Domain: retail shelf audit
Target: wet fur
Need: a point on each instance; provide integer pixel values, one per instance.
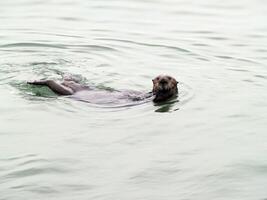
(164, 88)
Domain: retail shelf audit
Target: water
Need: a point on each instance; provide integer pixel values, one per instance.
(211, 144)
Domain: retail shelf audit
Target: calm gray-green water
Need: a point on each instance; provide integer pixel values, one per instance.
(210, 144)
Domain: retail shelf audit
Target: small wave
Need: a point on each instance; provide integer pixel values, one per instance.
(117, 107)
(71, 19)
(93, 47)
(260, 76)
(186, 93)
(149, 45)
(12, 45)
(43, 63)
(237, 59)
(33, 171)
(18, 157)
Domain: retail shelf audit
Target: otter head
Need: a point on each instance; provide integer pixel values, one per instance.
(164, 87)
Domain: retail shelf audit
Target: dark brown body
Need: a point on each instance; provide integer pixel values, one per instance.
(164, 87)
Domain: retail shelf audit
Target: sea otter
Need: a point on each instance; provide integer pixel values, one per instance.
(164, 88)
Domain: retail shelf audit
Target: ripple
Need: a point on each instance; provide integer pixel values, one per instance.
(71, 19)
(33, 171)
(186, 93)
(217, 38)
(52, 34)
(238, 70)
(28, 166)
(43, 63)
(40, 189)
(18, 157)
(93, 47)
(71, 47)
(200, 44)
(40, 45)
(260, 76)
(192, 13)
(118, 107)
(148, 44)
(235, 58)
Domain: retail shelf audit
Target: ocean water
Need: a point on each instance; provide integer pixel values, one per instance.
(209, 144)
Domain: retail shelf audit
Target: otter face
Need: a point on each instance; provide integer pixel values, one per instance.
(164, 87)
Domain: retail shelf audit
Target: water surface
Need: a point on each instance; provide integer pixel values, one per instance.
(210, 144)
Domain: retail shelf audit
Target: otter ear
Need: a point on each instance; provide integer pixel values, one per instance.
(177, 82)
(153, 80)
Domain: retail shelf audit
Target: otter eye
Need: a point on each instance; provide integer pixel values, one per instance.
(169, 78)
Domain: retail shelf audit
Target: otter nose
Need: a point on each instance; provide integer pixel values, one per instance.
(163, 81)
